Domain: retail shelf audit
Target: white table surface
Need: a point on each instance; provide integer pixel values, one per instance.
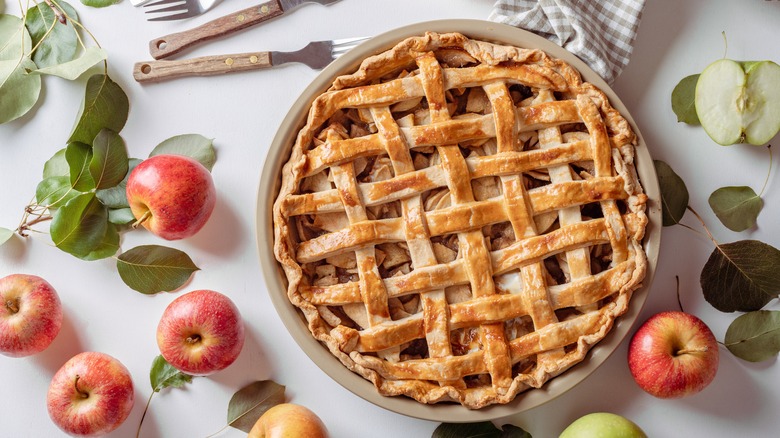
(241, 112)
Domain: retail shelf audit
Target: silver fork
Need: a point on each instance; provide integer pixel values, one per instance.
(178, 9)
(316, 54)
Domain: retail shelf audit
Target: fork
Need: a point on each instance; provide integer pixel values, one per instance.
(316, 54)
(178, 9)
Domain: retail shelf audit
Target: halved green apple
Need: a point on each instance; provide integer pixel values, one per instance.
(739, 101)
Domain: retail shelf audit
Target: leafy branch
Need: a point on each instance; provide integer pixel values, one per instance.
(738, 276)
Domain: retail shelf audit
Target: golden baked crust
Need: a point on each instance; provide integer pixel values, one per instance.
(460, 220)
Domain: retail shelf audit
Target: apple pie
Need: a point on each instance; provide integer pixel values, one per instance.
(460, 220)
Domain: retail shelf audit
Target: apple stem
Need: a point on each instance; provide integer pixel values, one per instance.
(13, 305)
(142, 219)
(691, 350)
(193, 339)
(76, 385)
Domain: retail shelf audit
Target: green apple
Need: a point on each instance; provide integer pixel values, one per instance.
(739, 101)
(602, 425)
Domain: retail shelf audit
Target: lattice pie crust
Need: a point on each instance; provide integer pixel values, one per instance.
(461, 221)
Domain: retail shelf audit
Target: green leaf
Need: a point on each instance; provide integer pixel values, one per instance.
(512, 431)
(484, 429)
(105, 105)
(19, 90)
(79, 226)
(5, 235)
(108, 165)
(150, 269)
(116, 197)
(194, 146)
(754, 336)
(2, 6)
(100, 3)
(61, 44)
(251, 401)
(683, 100)
(741, 276)
(78, 155)
(107, 247)
(55, 191)
(674, 194)
(736, 207)
(57, 165)
(71, 70)
(15, 41)
(164, 375)
(120, 216)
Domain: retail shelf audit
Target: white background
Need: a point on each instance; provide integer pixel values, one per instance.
(241, 112)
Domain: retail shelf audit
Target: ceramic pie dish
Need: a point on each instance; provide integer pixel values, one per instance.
(398, 189)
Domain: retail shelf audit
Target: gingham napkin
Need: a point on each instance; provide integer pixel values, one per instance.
(600, 32)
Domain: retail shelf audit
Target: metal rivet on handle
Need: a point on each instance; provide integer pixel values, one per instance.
(229, 61)
(253, 59)
(241, 18)
(264, 9)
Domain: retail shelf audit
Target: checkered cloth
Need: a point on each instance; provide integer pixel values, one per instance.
(600, 32)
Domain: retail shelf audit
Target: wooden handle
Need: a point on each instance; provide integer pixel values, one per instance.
(153, 71)
(176, 42)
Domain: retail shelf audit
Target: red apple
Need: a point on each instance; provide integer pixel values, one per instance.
(30, 315)
(201, 332)
(287, 420)
(91, 395)
(171, 195)
(673, 354)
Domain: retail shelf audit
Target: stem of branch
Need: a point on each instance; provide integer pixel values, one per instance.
(57, 12)
(703, 225)
(146, 408)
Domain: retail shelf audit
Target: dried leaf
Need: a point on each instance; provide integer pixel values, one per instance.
(754, 336)
(683, 100)
(164, 375)
(674, 194)
(736, 207)
(150, 269)
(251, 401)
(741, 276)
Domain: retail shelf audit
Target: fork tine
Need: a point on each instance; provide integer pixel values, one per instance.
(349, 41)
(174, 8)
(188, 14)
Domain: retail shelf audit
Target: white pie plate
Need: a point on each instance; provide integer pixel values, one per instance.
(277, 284)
